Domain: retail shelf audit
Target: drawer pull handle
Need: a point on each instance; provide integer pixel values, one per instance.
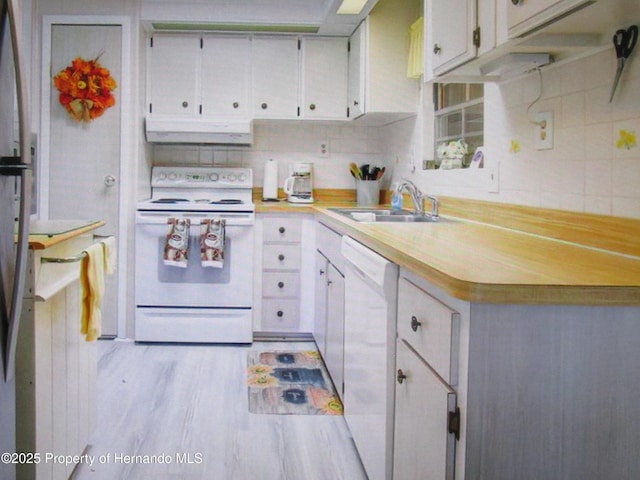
(415, 323)
(281, 257)
(401, 377)
(282, 230)
(280, 313)
(280, 284)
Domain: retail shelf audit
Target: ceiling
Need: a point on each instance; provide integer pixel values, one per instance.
(315, 16)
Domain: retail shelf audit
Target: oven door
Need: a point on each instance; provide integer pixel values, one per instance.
(160, 285)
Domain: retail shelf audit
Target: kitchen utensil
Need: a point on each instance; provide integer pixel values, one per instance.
(624, 42)
(355, 171)
(365, 171)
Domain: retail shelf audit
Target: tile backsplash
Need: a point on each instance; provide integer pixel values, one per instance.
(287, 142)
(594, 165)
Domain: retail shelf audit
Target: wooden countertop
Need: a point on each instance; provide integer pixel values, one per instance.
(490, 263)
(47, 233)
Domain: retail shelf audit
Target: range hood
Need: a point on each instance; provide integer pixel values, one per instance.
(181, 130)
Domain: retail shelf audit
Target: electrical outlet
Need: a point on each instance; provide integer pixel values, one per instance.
(324, 149)
(544, 131)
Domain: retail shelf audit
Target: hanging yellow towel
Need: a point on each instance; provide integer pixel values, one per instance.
(110, 255)
(92, 283)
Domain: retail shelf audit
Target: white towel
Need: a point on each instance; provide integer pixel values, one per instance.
(212, 242)
(176, 248)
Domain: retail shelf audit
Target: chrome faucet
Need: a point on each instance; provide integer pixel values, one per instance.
(417, 197)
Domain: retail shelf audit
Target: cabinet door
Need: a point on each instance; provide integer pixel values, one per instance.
(320, 313)
(356, 65)
(335, 328)
(225, 76)
(423, 447)
(275, 77)
(324, 85)
(452, 26)
(527, 15)
(173, 75)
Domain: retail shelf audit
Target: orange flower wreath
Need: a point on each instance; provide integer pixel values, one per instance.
(85, 89)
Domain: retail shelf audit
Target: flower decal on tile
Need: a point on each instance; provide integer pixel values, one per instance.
(514, 147)
(627, 139)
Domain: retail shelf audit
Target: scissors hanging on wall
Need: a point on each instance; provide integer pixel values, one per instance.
(624, 42)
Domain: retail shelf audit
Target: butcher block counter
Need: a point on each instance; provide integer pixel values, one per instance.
(492, 253)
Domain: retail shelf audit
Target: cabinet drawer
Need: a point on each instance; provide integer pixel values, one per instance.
(280, 284)
(280, 315)
(430, 327)
(281, 257)
(280, 229)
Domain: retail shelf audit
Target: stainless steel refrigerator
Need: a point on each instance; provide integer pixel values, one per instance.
(15, 195)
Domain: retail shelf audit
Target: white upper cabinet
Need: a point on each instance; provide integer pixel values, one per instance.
(356, 65)
(525, 15)
(324, 78)
(275, 74)
(225, 76)
(452, 39)
(173, 75)
(378, 61)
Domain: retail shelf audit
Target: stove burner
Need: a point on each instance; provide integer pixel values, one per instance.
(227, 201)
(170, 200)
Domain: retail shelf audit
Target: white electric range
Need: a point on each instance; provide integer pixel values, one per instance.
(192, 303)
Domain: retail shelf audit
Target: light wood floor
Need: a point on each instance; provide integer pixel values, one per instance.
(188, 403)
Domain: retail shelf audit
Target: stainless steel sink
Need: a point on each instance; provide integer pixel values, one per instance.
(384, 215)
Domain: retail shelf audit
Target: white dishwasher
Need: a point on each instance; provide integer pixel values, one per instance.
(371, 286)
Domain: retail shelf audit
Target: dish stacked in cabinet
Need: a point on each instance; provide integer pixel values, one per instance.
(426, 415)
(281, 262)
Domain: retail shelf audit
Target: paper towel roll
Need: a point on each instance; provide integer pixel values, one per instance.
(270, 184)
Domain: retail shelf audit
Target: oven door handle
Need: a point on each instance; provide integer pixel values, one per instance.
(160, 218)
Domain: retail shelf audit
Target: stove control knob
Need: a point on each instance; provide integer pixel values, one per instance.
(231, 177)
(214, 177)
(173, 176)
(242, 177)
(162, 176)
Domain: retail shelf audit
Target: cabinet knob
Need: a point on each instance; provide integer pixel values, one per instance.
(263, 106)
(185, 104)
(236, 104)
(415, 323)
(280, 284)
(401, 377)
(517, 2)
(312, 106)
(436, 48)
(280, 313)
(281, 257)
(321, 272)
(282, 230)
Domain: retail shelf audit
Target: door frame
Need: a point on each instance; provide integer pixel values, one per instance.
(126, 169)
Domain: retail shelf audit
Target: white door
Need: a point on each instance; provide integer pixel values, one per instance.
(356, 92)
(335, 327)
(423, 447)
(452, 24)
(173, 75)
(84, 158)
(324, 86)
(225, 76)
(275, 77)
(320, 312)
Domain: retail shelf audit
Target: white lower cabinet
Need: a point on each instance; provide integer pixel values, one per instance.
(426, 412)
(424, 447)
(329, 304)
(283, 296)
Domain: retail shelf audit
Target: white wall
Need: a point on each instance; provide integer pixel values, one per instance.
(584, 171)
